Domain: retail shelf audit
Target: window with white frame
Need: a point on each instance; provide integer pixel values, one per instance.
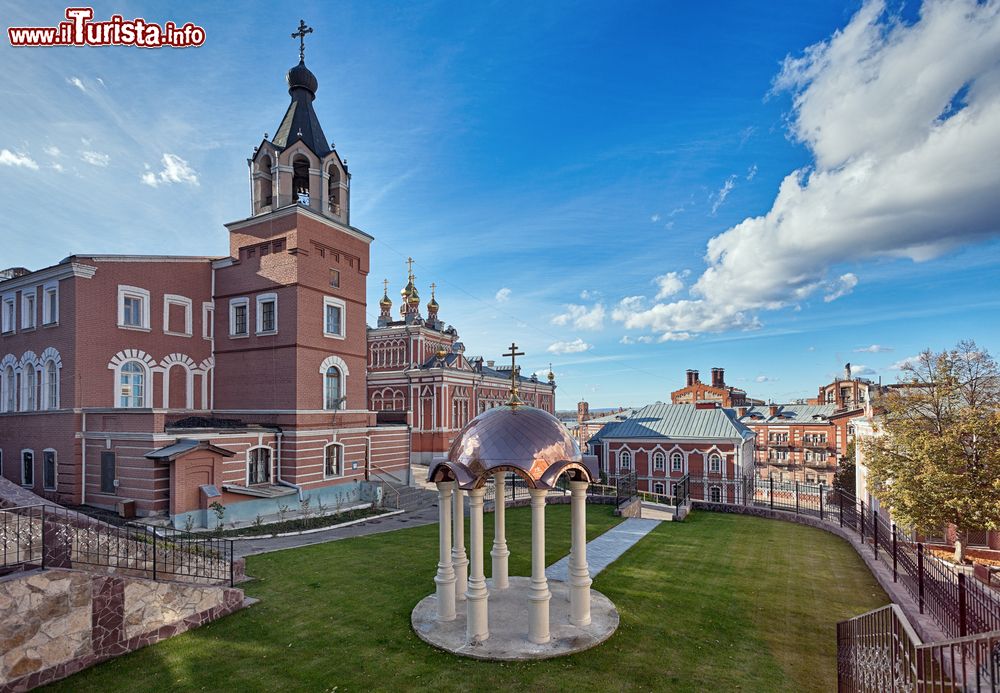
(676, 462)
(658, 488)
(333, 317)
(28, 308)
(659, 461)
(332, 388)
(208, 321)
(715, 494)
(132, 385)
(9, 315)
(27, 468)
(50, 303)
(267, 314)
(258, 466)
(49, 469)
(29, 383)
(714, 463)
(51, 385)
(624, 459)
(177, 319)
(133, 308)
(239, 317)
(10, 389)
(333, 460)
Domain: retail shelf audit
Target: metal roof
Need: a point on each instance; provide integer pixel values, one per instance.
(790, 413)
(676, 421)
(183, 446)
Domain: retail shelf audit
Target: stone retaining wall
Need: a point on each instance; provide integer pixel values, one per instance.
(56, 622)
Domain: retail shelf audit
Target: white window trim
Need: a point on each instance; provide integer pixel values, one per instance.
(31, 293)
(28, 394)
(270, 463)
(261, 300)
(177, 300)
(331, 301)
(716, 487)
(9, 323)
(46, 403)
(343, 462)
(50, 288)
(133, 292)
(631, 459)
(233, 303)
(21, 462)
(662, 487)
(147, 384)
(208, 320)
(55, 470)
(664, 463)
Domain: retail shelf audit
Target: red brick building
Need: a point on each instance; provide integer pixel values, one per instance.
(417, 367)
(168, 380)
(718, 392)
(662, 443)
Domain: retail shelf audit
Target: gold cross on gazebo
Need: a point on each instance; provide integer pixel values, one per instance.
(515, 399)
(301, 36)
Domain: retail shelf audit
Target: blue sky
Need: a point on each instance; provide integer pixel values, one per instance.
(580, 156)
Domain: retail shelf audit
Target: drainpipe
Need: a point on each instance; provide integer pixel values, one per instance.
(83, 461)
(281, 481)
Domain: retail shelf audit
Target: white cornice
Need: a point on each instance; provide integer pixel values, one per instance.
(56, 272)
(301, 209)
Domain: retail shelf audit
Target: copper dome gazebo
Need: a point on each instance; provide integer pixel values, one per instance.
(535, 446)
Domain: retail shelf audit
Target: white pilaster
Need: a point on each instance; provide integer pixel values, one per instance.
(499, 552)
(539, 595)
(579, 573)
(477, 623)
(458, 557)
(445, 578)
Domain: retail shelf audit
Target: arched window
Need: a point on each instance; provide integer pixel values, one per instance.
(10, 389)
(624, 459)
(266, 185)
(658, 487)
(333, 460)
(333, 190)
(29, 380)
(715, 494)
(132, 385)
(714, 463)
(659, 462)
(258, 466)
(300, 180)
(51, 385)
(676, 462)
(332, 399)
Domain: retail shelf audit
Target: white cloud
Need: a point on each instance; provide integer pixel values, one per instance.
(858, 370)
(643, 339)
(588, 294)
(57, 167)
(9, 158)
(655, 218)
(764, 379)
(810, 348)
(582, 317)
(723, 193)
(503, 295)
(901, 363)
(841, 287)
(873, 349)
(95, 158)
(669, 283)
(903, 124)
(52, 151)
(752, 172)
(76, 82)
(575, 347)
(175, 170)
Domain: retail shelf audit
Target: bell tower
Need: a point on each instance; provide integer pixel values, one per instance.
(299, 165)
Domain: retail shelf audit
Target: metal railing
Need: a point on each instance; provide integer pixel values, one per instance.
(879, 651)
(48, 536)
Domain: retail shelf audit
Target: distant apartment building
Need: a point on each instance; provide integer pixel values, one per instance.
(718, 391)
(588, 424)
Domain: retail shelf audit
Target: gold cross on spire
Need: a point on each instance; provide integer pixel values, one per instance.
(301, 36)
(433, 286)
(385, 287)
(515, 399)
(409, 265)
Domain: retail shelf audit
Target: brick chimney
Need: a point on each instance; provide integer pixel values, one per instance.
(741, 412)
(689, 381)
(772, 409)
(718, 377)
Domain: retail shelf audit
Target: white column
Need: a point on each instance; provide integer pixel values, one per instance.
(445, 578)
(499, 552)
(579, 573)
(477, 623)
(539, 595)
(458, 557)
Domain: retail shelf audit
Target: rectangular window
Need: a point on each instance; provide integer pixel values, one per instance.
(335, 278)
(49, 469)
(267, 314)
(50, 304)
(133, 308)
(9, 313)
(238, 319)
(333, 317)
(258, 466)
(208, 321)
(28, 309)
(177, 319)
(108, 472)
(27, 468)
(334, 460)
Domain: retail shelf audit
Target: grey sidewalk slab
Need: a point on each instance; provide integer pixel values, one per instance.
(605, 549)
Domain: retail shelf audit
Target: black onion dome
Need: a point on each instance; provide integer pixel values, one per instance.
(301, 77)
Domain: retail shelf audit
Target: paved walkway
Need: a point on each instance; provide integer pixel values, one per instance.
(605, 549)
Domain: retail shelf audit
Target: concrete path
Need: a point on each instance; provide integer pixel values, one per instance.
(605, 549)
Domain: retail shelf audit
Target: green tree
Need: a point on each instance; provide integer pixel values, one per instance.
(843, 480)
(937, 460)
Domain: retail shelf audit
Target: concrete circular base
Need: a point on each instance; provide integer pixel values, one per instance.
(508, 624)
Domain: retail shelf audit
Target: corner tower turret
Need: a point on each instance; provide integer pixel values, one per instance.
(299, 165)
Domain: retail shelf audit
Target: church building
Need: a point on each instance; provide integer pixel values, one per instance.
(163, 384)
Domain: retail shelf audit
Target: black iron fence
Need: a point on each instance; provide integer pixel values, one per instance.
(47, 536)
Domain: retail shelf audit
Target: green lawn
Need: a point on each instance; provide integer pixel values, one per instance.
(719, 602)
